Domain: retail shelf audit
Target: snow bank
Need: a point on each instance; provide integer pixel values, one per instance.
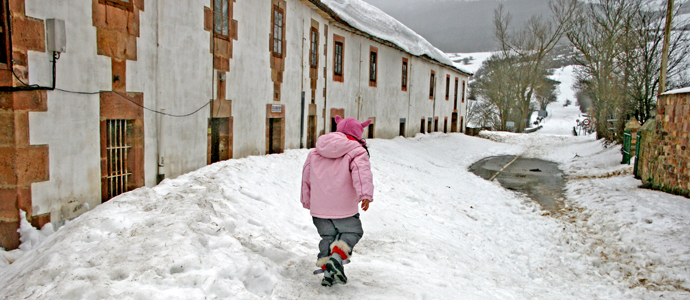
(30, 238)
(372, 20)
(476, 60)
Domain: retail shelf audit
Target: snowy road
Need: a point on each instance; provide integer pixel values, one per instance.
(236, 230)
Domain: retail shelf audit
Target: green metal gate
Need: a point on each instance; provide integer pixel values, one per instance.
(627, 143)
(637, 154)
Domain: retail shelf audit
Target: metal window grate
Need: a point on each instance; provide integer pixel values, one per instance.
(116, 145)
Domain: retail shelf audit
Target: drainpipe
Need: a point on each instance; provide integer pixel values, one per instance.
(359, 89)
(325, 79)
(301, 123)
(433, 111)
(409, 91)
(159, 126)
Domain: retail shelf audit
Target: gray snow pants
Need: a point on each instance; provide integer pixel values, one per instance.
(348, 230)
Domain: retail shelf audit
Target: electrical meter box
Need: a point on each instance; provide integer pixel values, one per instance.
(56, 37)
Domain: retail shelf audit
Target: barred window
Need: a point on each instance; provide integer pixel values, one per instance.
(117, 162)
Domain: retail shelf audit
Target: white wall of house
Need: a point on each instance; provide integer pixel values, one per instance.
(183, 75)
(70, 126)
(174, 71)
(387, 102)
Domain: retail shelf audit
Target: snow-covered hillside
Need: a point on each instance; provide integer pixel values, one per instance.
(236, 230)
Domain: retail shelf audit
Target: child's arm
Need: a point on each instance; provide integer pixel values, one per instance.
(362, 179)
(306, 185)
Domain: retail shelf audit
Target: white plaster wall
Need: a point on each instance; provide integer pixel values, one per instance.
(70, 126)
(249, 84)
(297, 80)
(345, 95)
(387, 102)
(296, 74)
(142, 76)
(184, 83)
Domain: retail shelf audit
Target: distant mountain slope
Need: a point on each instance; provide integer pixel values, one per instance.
(458, 26)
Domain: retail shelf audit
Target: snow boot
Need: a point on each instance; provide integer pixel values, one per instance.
(339, 252)
(327, 276)
(335, 270)
(327, 279)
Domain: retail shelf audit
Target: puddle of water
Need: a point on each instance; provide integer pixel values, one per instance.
(541, 180)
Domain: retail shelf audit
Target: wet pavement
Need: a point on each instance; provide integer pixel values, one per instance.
(541, 180)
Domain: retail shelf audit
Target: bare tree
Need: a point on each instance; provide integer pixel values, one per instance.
(643, 57)
(598, 35)
(495, 84)
(528, 49)
(619, 51)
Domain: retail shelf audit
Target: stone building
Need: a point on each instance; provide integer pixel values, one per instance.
(103, 96)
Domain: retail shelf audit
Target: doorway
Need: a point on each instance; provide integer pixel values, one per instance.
(219, 129)
(311, 132)
(275, 135)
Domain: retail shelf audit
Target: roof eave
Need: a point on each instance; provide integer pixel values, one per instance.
(330, 15)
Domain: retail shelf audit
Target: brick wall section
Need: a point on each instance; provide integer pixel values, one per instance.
(277, 62)
(20, 163)
(221, 49)
(664, 161)
(117, 30)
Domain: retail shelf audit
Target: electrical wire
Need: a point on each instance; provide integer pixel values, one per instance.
(119, 94)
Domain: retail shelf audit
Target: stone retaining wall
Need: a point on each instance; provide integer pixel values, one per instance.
(664, 161)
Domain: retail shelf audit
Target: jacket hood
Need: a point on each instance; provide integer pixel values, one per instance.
(335, 145)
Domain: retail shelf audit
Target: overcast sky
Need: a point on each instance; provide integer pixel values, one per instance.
(457, 25)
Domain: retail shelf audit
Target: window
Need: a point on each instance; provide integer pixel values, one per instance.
(447, 87)
(124, 4)
(278, 25)
(221, 19)
(5, 48)
(314, 48)
(117, 162)
(463, 91)
(455, 95)
(338, 53)
(373, 61)
(404, 74)
(432, 81)
(338, 59)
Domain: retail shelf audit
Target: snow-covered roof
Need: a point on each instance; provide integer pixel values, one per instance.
(371, 20)
(678, 91)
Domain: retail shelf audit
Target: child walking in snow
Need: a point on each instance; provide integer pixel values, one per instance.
(335, 179)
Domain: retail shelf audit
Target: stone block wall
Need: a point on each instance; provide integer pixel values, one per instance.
(664, 162)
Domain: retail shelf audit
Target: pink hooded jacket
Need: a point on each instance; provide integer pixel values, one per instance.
(336, 177)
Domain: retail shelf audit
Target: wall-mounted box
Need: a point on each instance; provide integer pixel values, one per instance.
(56, 37)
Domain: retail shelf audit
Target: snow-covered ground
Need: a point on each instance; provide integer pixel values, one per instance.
(475, 60)
(236, 230)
